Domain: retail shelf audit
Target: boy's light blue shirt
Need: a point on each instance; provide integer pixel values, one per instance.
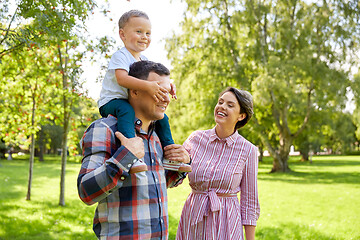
(121, 59)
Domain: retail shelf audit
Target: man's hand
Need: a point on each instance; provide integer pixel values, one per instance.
(134, 145)
(176, 152)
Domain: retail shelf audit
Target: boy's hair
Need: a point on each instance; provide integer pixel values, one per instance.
(141, 69)
(132, 13)
(245, 101)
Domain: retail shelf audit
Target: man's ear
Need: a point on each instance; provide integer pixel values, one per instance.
(133, 93)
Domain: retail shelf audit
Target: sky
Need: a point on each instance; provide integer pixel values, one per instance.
(165, 16)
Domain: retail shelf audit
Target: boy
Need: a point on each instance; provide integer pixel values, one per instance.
(135, 32)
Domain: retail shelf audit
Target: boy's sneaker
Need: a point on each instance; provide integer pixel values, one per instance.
(176, 166)
(138, 166)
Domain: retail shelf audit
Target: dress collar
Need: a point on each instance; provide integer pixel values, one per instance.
(229, 140)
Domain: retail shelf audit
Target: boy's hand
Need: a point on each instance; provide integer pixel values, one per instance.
(173, 90)
(157, 92)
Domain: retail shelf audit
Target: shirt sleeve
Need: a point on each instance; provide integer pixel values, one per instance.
(174, 179)
(104, 167)
(249, 201)
(120, 60)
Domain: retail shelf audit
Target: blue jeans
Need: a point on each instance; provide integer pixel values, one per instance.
(124, 112)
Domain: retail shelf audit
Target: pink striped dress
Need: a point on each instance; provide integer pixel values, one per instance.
(221, 169)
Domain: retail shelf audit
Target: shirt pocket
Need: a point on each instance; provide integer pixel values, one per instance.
(232, 174)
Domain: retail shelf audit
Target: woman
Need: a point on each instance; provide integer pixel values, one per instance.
(223, 164)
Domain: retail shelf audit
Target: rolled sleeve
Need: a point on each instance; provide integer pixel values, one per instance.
(102, 170)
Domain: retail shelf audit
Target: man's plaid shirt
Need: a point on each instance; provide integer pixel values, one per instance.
(130, 206)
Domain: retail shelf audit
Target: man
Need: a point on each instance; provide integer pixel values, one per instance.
(130, 206)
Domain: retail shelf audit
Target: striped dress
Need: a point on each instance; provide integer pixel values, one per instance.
(221, 169)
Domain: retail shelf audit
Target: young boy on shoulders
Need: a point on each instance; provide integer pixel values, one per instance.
(135, 33)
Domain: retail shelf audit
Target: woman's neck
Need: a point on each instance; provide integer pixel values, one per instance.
(223, 132)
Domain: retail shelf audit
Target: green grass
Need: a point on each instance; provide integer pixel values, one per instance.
(316, 201)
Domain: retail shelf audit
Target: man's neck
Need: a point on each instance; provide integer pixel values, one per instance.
(145, 125)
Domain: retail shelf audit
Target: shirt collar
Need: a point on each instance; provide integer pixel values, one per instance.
(138, 124)
(230, 140)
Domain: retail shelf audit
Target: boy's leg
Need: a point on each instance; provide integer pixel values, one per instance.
(124, 112)
(162, 128)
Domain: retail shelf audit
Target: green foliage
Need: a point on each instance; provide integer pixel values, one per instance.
(356, 101)
(29, 23)
(41, 68)
(330, 130)
(26, 83)
(286, 53)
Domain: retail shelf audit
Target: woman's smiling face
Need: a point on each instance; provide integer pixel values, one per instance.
(227, 110)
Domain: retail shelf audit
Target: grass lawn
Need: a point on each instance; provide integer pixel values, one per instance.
(317, 201)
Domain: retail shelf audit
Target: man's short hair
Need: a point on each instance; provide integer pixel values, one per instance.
(141, 69)
(132, 13)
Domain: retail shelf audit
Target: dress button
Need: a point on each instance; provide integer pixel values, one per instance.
(129, 165)
(122, 178)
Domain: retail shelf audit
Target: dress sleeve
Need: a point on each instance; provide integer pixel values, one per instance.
(249, 201)
(103, 167)
(188, 144)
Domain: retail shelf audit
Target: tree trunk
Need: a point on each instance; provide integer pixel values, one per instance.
(66, 116)
(280, 163)
(32, 149)
(63, 168)
(41, 153)
(31, 165)
(41, 145)
(64, 151)
(261, 151)
(304, 156)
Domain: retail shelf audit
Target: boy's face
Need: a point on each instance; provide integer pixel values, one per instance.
(136, 35)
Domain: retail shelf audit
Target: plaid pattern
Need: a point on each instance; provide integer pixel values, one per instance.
(130, 206)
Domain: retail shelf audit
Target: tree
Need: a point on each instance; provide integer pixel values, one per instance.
(46, 20)
(27, 77)
(48, 26)
(69, 69)
(286, 53)
(356, 102)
